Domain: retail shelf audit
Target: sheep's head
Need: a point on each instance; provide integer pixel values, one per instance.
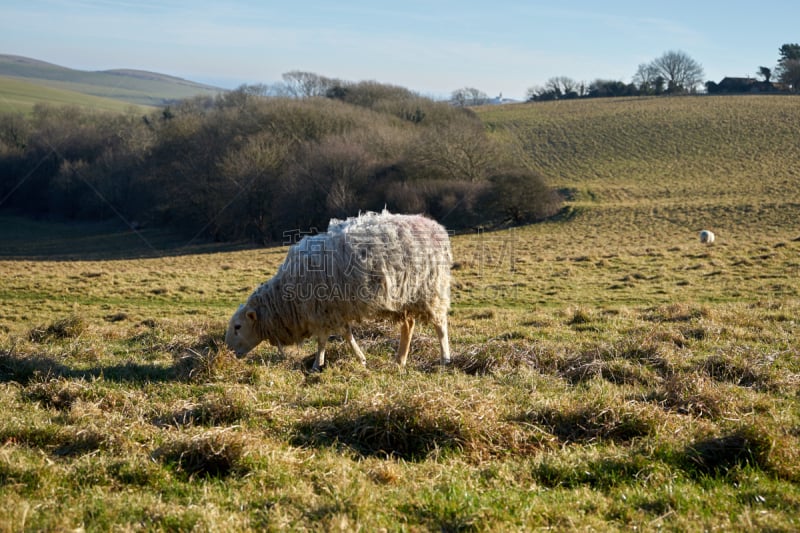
(243, 331)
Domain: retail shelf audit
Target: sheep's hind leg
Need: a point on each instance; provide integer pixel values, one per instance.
(319, 359)
(406, 330)
(355, 347)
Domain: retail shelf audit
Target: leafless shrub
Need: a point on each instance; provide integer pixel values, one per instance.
(521, 196)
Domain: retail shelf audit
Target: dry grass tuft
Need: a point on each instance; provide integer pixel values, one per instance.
(216, 453)
(80, 441)
(116, 317)
(224, 409)
(580, 316)
(578, 368)
(57, 440)
(623, 372)
(58, 394)
(385, 473)
(784, 458)
(677, 312)
(65, 328)
(691, 394)
(596, 362)
(208, 364)
(493, 356)
(589, 423)
(421, 426)
(410, 431)
(650, 347)
(734, 370)
(633, 358)
(748, 445)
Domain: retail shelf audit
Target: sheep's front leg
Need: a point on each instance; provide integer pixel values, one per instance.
(355, 347)
(444, 341)
(406, 330)
(319, 359)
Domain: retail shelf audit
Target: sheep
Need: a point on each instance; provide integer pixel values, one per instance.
(707, 237)
(382, 266)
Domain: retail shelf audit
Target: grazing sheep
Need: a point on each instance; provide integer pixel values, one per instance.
(372, 266)
(707, 236)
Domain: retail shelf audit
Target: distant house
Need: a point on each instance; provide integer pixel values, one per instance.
(498, 100)
(731, 85)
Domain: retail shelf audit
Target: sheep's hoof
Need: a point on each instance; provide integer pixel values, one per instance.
(316, 369)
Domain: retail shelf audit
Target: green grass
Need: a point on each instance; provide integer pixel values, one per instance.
(53, 83)
(610, 372)
(20, 96)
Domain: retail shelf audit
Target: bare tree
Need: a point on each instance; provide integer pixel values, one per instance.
(645, 78)
(468, 96)
(302, 84)
(556, 88)
(681, 72)
(326, 176)
(457, 151)
(534, 93)
(563, 86)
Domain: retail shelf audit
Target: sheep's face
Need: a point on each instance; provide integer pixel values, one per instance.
(242, 335)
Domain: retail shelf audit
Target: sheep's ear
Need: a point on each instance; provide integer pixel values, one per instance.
(251, 315)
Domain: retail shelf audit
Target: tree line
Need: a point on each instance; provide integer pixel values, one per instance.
(251, 164)
(674, 72)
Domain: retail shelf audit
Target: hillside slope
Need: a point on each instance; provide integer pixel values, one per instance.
(645, 166)
(131, 86)
(20, 96)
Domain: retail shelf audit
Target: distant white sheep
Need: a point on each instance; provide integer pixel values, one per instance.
(707, 237)
(374, 266)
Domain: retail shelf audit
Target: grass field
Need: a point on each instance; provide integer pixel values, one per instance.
(610, 372)
(49, 83)
(20, 96)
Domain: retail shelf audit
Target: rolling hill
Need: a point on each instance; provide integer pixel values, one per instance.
(129, 86)
(20, 96)
(657, 168)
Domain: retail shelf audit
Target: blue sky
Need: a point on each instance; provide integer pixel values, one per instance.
(432, 47)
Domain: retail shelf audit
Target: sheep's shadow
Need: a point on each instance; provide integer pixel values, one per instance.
(26, 368)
